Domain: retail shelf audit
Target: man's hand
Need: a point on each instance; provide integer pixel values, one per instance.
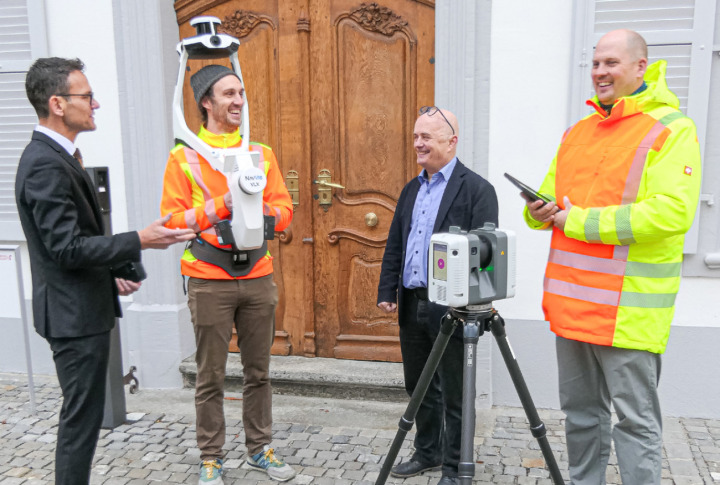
(561, 216)
(228, 200)
(387, 306)
(540, 212)
(127, 287)
(157, 236)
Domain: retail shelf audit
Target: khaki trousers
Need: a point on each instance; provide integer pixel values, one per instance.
(215, 307)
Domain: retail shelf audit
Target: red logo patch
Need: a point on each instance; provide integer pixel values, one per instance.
(688, 170)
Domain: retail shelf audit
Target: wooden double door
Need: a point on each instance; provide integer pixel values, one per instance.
(334, 87)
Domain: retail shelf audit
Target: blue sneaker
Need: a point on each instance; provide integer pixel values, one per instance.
(267, 461)
(211, 472)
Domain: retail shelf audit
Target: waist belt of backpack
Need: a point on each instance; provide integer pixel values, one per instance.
(235, 264)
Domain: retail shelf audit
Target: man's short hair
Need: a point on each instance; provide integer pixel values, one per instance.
(203, 81)
(46, 77)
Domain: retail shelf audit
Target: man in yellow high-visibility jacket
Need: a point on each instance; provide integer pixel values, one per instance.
(626, 179)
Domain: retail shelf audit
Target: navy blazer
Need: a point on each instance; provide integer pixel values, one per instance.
(469, 202)
(74, 293)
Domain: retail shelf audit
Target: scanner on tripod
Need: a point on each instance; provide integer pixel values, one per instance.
(246, 180)
(466, 272)
(471, 268)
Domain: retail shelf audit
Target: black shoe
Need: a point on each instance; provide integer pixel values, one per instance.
(448, 481)
(411, 468)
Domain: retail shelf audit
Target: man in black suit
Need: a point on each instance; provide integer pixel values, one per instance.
(446, 193)
(75, 297)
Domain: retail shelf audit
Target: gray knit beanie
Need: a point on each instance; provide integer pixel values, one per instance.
(205, 78)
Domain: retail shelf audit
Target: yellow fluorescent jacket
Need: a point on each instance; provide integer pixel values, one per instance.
(633, 180)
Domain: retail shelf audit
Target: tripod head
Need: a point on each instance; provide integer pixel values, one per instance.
(473, 315)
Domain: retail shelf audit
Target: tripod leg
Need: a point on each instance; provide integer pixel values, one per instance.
(537, 427)
(406, 421)
(466, 467)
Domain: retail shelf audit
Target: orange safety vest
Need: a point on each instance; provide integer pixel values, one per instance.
(633, 178)
(193, 192)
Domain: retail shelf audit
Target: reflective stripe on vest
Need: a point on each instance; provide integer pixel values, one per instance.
(614, 267)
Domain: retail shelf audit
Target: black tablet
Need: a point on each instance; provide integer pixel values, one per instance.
(531, 193)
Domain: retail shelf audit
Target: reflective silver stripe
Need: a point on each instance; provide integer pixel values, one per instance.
(592, 226)
(194, 163)
(588, 263)
(647, 300)
(579, 292)
(623, 228)
(667, 119)
(259, 149)
(621, 253)
(653, 270)
(614, 266)
(210, 211)
(632, 182)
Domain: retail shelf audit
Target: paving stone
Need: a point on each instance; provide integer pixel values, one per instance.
(154, 448)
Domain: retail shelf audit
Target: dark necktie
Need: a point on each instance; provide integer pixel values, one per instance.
(78, 157)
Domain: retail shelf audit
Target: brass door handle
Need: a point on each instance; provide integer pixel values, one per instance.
(328, 184)
(371, 219)
(325, 187)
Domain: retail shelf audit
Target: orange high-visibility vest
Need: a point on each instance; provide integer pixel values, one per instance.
(633, 178)
(193, 192)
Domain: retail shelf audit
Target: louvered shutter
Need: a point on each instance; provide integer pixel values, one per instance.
(22, 38)
(679, 31)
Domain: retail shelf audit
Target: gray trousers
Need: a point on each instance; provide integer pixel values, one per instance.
(593, 376)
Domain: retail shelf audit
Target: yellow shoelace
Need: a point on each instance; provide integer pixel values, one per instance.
(209, 465)
(270, 456)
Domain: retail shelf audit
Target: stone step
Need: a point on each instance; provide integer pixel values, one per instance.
(318, 377)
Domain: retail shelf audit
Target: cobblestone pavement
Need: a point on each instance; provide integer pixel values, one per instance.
(153, 447)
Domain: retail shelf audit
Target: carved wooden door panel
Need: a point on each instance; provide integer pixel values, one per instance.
(371, 71)
(334, 87)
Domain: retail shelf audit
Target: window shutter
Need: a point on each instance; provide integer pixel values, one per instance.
(679, 31)
(22, 39)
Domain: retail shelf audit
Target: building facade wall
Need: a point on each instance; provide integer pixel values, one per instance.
(503, 67)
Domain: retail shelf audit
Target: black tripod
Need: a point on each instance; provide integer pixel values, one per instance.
(476, 320)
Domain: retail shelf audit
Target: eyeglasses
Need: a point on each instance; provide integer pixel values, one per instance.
(90, 96)
(431, 110)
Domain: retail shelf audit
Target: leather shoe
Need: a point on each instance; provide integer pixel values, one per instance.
(411, 468)
(449, 481)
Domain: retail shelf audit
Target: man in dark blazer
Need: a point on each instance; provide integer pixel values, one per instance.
(75, 297)
(446, 193)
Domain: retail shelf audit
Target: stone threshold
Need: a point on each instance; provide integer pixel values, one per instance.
(318, 377)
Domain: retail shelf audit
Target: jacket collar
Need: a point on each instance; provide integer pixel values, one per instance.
(220, 140)
(657, 94)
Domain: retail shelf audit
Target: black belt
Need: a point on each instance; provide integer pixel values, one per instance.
(420, 293)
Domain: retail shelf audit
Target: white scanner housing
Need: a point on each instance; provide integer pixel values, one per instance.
(246, 180)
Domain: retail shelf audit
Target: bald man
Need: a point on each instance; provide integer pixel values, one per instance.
(626, 179)
(446, 193)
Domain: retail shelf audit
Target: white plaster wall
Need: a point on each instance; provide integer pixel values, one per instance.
(529, 80)
(86, 31)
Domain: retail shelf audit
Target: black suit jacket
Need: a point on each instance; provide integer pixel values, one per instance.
(74, 293)
(469, 201)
